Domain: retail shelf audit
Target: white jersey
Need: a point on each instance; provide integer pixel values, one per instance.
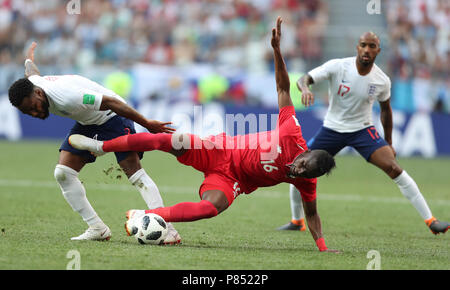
(75, 97)
(351, 95)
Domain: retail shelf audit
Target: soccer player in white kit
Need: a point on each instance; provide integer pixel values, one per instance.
(354, 84)
(99, 113)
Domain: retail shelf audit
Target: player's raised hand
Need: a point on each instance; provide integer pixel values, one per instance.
(154, 126)
(30, 66)
(276, 34)
(307, 98)
(30, 52)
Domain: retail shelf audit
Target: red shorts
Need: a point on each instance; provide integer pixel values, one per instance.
(215, 164)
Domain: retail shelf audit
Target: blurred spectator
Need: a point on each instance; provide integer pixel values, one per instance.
(213, 29)
(228, 34)
(419, 35)
(233, 36)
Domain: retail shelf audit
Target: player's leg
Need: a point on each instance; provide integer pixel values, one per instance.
(217, 193)
(297, 222)
(149, 191)
(138, 177)
(66, 174)
(130, 163)
(213, 202)
(189, 149)
(119, 132)
(210, 206)
(138, 142)
(376, 151)
(384, 159)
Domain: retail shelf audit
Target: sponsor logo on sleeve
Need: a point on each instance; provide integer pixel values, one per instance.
(88, 99)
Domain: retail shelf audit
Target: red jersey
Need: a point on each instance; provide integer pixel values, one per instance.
(242, 163)
(265, 160)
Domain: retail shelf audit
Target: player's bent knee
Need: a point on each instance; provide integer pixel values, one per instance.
(59, 174)
(210, 210)
(393, 170)
(216, 198)
(220, 207)
(63, 173)
(131, 164)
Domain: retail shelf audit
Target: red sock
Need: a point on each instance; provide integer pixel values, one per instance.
(139, 142)
(186, 211)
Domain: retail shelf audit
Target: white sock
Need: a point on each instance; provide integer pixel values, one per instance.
(411, 191)
(296, 203)
(75, 194)
(148, 189)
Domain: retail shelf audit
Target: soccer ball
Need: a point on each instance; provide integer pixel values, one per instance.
(149, 229)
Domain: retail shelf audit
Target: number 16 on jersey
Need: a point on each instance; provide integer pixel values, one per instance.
(267, 167)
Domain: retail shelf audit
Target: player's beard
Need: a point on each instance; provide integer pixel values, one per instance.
(367, 62)
(45, 106)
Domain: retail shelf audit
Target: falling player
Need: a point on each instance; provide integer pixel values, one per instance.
(236, 165)
(354, 84)
(100, 113)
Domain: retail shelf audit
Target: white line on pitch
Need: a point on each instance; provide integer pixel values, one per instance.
(194, 190)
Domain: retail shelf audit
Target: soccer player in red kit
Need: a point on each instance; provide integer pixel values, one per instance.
(239, 164)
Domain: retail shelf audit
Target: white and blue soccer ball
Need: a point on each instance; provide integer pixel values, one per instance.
(149, 229)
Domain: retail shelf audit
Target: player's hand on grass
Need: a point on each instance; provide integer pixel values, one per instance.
(307, 98)
(30, 53)
(276, 34)
(154, 126)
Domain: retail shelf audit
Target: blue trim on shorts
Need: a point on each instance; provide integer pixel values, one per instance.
(365, 141)
(115, 127)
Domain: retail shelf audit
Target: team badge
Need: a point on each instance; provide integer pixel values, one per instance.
(371, 91)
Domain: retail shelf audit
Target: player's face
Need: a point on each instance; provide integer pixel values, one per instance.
(368, 48)
(305, 166)
(35, 105)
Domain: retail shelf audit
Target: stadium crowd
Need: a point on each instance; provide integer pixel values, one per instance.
(420, 54)
(226, 33)
(169, 32)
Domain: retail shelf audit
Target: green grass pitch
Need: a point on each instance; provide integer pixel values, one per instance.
(360, 208)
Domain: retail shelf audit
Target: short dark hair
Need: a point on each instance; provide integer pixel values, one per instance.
(20, 89)
(325, 161)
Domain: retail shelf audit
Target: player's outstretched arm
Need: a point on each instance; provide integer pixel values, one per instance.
(281, 74)
(315, 225)
(124, 110)
(30, 66)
